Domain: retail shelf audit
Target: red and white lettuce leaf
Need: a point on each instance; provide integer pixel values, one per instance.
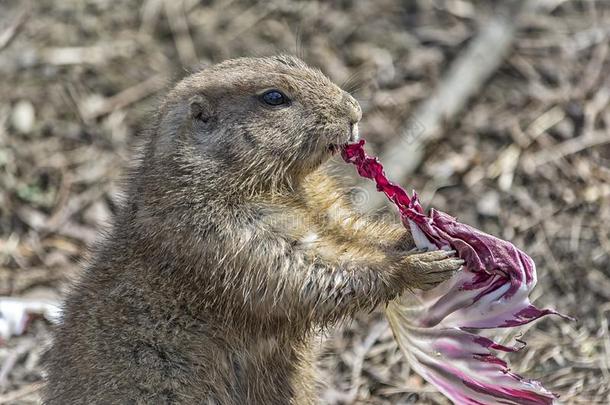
(434, 329)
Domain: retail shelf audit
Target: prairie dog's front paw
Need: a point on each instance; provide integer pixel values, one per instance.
(428, 269)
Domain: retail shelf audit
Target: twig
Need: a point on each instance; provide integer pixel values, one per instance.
(568, 147)
(11, 360)
(99, 54)
(7, 36)
(126, 97)
(247, 19)
(463, 80)
(150, 12)
(178, 22)
(376, 331)
(21, 392)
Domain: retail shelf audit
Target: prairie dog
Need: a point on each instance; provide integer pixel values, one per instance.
(233, 249)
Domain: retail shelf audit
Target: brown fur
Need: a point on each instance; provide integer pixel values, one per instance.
(233, 249)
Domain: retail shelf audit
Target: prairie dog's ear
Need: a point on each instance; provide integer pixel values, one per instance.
(200, 108)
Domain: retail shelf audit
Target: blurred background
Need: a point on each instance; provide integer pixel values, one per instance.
(497, 112)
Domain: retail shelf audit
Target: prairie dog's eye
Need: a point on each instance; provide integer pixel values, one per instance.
(274, 98)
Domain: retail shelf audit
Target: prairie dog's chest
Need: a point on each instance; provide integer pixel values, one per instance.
(303, 229)
(293, 222)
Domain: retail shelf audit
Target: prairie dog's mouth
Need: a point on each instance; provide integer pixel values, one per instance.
(333, 148)
(352, 137)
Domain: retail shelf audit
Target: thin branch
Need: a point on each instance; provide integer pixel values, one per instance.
(463, 80)
(7, 36)
(126, 97)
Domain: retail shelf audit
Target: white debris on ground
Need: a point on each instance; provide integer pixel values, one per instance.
(15, 314)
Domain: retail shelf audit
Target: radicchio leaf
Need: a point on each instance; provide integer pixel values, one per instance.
(434, 328)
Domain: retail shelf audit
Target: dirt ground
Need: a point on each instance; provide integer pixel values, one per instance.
(526, 159)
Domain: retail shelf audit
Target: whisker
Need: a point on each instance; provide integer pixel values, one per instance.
(354, 82)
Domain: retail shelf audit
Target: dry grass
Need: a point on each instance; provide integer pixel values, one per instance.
(528, 159)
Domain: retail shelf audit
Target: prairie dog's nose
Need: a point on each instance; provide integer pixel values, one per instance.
(354, 114)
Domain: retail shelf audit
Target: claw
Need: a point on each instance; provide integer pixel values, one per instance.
(430, 268)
